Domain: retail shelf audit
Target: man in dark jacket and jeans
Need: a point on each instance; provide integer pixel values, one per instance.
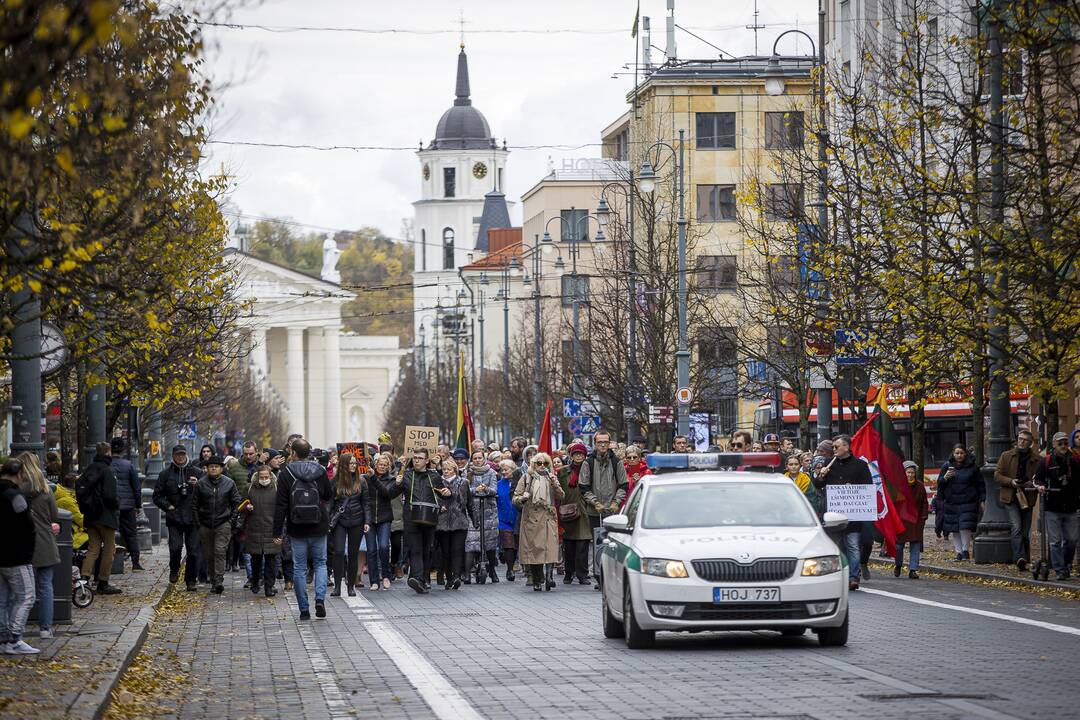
(129, 496)
(174, 493)
(216, 499)
(1058, 480)
(304, 491)
(846, 469)
(99, 517)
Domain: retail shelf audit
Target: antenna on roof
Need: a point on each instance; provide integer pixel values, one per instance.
(671, 52)
(755, 27)
(646, 44)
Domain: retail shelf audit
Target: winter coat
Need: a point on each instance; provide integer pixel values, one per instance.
(578, 529)
(1061, 476)
(259, 526)
(398, 523)
(100, 472)
(302, 471)
(382, 499)
(508, 512)
(1008, 468)
(914, 533)
(128, 485)
(241, 474)
(172, 489)
(456, 516)
(216, 500)
(846, 471)
(356, 507)
(44, 512)
(960, 497)
(603, 480)
(17, 536)
(65, 500)
(418, 488)
(539, 534)
(485, 511)
(939, 515)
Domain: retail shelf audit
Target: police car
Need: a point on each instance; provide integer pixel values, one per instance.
(699, 547)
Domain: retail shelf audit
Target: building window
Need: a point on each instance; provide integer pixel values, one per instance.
(448, 249)
(783, 130)
(783, 201)
(568, 293)
(784, 271)
(715, 203)
(715, 131)
(574, 223)
(498, 180)
(718, 363)
(449, 181)
(1012, 77)
(423, 249)
(716, 272)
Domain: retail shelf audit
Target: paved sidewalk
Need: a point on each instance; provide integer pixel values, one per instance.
(76, 670)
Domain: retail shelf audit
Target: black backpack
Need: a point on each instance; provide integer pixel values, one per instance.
(88, 495)
(305, 507)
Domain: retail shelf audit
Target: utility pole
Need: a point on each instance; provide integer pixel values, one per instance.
(824, 396)
(682, 356)
(25, 364)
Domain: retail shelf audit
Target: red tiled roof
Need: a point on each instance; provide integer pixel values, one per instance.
(505, 244)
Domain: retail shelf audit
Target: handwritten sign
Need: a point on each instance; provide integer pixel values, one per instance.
(362, 451)
(419, 437)
(855, 502)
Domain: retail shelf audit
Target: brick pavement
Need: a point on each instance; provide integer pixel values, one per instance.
(75, 671)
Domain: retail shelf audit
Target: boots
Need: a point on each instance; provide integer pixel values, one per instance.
(270, 591)
(491, 572)
(104, 588)
(537, 574)
(337, 588)
(549, 582)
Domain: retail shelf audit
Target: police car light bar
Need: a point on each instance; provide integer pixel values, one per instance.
(713, 461)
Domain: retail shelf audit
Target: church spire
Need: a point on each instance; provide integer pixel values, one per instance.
(462, 89)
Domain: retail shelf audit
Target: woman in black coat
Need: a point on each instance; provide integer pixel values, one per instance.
(348, 521)
(963, 496)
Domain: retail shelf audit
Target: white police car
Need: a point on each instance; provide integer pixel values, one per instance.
(701, 548)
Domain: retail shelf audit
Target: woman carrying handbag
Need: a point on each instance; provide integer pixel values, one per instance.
(423, 493)
(536, 494)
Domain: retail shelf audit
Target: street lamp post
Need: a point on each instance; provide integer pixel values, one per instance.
(648, 183)
(26, 347)
(422, 371)
(536, 253)
(507, 271)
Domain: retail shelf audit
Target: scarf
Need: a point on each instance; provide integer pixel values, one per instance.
(575, 470)
(540, 492)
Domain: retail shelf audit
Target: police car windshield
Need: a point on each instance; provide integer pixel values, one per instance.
(691, 505)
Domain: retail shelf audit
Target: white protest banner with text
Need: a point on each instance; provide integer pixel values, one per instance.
(855, 502)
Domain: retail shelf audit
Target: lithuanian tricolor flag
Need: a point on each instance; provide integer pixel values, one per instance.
(464, 435)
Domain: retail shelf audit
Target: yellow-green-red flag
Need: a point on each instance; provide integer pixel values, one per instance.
(464, 435)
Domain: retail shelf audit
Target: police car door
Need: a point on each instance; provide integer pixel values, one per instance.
(617, 547)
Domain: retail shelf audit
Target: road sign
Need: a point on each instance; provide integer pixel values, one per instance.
(571, 407)
(186, 431)
(584, 424)
(661, 414)
(684, 395)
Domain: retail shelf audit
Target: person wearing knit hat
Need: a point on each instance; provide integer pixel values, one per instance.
(1058, 481)
(913, 534)
(576, 535)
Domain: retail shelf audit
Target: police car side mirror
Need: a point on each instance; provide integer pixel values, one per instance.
(834, 521)
(617, 523)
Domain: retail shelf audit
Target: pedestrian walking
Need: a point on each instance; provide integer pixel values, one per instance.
(963, 495)
(216, 499)
(17, 540)
(1015, 473)
(304, 490)
(259, 531)
(913, 534)
(846, 469)
(174, 493)
(129, 497)
(348, 522)
(1058, 481)
(482, 540)
(508, 516)
(537, 493)
(96, 493)
(241, 471)
(576, 533)
(453, 523)
(422, 492)
(603, 483)
(380, 482)
(46, 516)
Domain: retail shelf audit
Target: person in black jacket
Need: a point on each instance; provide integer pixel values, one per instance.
(380, 483)
(963, 496)
(846, 469)
(16, 561)
(304, 490)
(216, 499)
(422, 492)
(100, 518)
(1058, 481)
(349, 521)
(129, 497)
(174, 493)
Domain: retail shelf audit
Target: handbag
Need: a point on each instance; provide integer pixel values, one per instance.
(569, 512)
(422, 513)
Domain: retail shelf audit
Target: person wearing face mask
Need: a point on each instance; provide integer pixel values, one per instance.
(259, 530)
(913, 534)
(537, 493)
(483, 537)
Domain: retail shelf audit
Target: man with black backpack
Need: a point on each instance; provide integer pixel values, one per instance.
(95, 491)
(304, 491)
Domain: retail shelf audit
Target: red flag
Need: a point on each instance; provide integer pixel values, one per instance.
(875, 442)
(544, 442)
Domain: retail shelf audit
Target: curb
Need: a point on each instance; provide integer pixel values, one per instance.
(977, 575)
(93, 703)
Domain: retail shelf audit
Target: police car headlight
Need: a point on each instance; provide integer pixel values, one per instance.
(824, 565)
(664, 568)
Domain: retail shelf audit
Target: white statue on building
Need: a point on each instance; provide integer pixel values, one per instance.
(330, 255)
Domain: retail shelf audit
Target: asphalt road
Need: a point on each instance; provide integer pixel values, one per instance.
(960, 651)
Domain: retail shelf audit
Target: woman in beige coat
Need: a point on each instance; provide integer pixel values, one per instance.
(536, 494)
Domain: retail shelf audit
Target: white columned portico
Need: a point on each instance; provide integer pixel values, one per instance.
(294, 360)
(332, 379)
(316, 387)
(258, 350)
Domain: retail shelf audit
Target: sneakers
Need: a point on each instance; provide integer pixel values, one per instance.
(912, 575)
(320, 609)
(192, 587)
(853, 584)
(173, 577)
(20, 648)
(959, 556)
(45, 634)
(966, 555)
(305, 615)
(416, 585)
(136, 567)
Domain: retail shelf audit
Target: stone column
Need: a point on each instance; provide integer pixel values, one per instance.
(258, 350)
(332, 387)
(294, 394)
(316, 392)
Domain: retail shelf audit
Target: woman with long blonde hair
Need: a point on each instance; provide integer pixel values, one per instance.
(348, 521)
(536, 494)
(46, 517)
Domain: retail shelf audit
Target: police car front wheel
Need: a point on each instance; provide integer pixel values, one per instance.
(612, 627)
(636, 638)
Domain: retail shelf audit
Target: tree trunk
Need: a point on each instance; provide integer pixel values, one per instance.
(978, 406)
(918, 429)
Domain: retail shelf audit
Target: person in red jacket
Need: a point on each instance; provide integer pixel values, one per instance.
(913, 534)
(635, 468)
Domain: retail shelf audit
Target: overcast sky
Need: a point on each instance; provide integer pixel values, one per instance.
(389, 89)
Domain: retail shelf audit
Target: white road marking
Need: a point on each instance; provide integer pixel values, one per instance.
(975, 611)
(336, 700)
(442, 697)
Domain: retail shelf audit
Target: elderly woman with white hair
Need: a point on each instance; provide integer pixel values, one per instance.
(536, 494)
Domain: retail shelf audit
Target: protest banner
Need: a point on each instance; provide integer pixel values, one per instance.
(363, 451)
(855, 502)
(419, 437)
